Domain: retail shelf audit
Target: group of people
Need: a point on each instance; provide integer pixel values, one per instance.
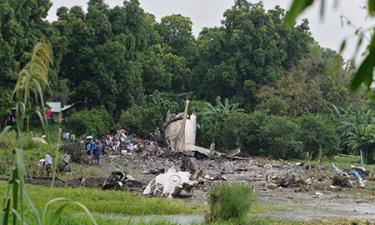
(95, 148)
(47, 163)
(120, 141)
(67, 136)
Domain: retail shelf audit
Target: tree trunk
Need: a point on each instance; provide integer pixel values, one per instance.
(365, 155)
(370, 156)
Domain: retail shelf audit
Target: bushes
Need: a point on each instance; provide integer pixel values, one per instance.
(223, 130)
(261, 134)
(318, 134)
(220, 124)
(229, 202)
(279, 138)
(256, 133)
(95, 122)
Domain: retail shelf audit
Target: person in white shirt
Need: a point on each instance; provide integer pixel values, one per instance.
(48, 163)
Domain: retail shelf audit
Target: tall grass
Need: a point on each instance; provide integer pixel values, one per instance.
(29, 96)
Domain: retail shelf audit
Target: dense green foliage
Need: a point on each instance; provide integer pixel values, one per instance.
(142, 119)
(277, 85)
(94, 122)
(357, 133)
(260, 133)
(111, 57)
(318, 136)
(250, 49)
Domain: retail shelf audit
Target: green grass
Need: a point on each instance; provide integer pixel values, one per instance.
(68, 218)
(345, 161)
(74, 219)
(110, 202)
(348, 160)
(83, 170)
(106, 203)
(33, 152)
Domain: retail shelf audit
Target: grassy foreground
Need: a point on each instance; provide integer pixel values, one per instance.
(105, 203)
(110, 202)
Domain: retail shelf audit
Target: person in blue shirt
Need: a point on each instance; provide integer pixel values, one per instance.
(88, 148)
(95, 150)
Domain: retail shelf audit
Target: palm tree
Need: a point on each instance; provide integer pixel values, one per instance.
(213, 117)
(357, 131)
(225, 108)
(362, 139)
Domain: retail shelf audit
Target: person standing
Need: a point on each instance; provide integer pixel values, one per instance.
(66, 160)
(88, 148)
(48, 163)
(96, 151)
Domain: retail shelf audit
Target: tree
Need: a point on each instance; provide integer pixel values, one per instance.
(250, 49)
(146, 116)
(102, 58)
(362, 139)
(365, 72)
(22, 25)
(220, 124)
(296, 94)
(357, 130)
(177, 36)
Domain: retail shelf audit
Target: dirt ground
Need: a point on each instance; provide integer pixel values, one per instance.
(285, 187)
(327, 205)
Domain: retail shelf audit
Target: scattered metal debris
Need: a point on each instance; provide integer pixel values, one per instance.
(170, 184)
(119, 181)
(343, 177)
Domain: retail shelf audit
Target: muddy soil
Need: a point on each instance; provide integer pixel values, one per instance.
(319, 205)
(299, 198)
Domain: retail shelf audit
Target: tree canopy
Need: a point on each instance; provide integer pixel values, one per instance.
(272, 79)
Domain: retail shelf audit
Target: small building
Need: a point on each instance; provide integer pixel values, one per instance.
(54, 109)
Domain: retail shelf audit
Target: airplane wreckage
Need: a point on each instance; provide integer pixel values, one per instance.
(180, 134)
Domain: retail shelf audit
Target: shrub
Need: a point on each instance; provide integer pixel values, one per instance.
(223, 130)
(220, 124)
(229, 202)
(95, 122)
(248, 132)
(279, 138)
(318, 134)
